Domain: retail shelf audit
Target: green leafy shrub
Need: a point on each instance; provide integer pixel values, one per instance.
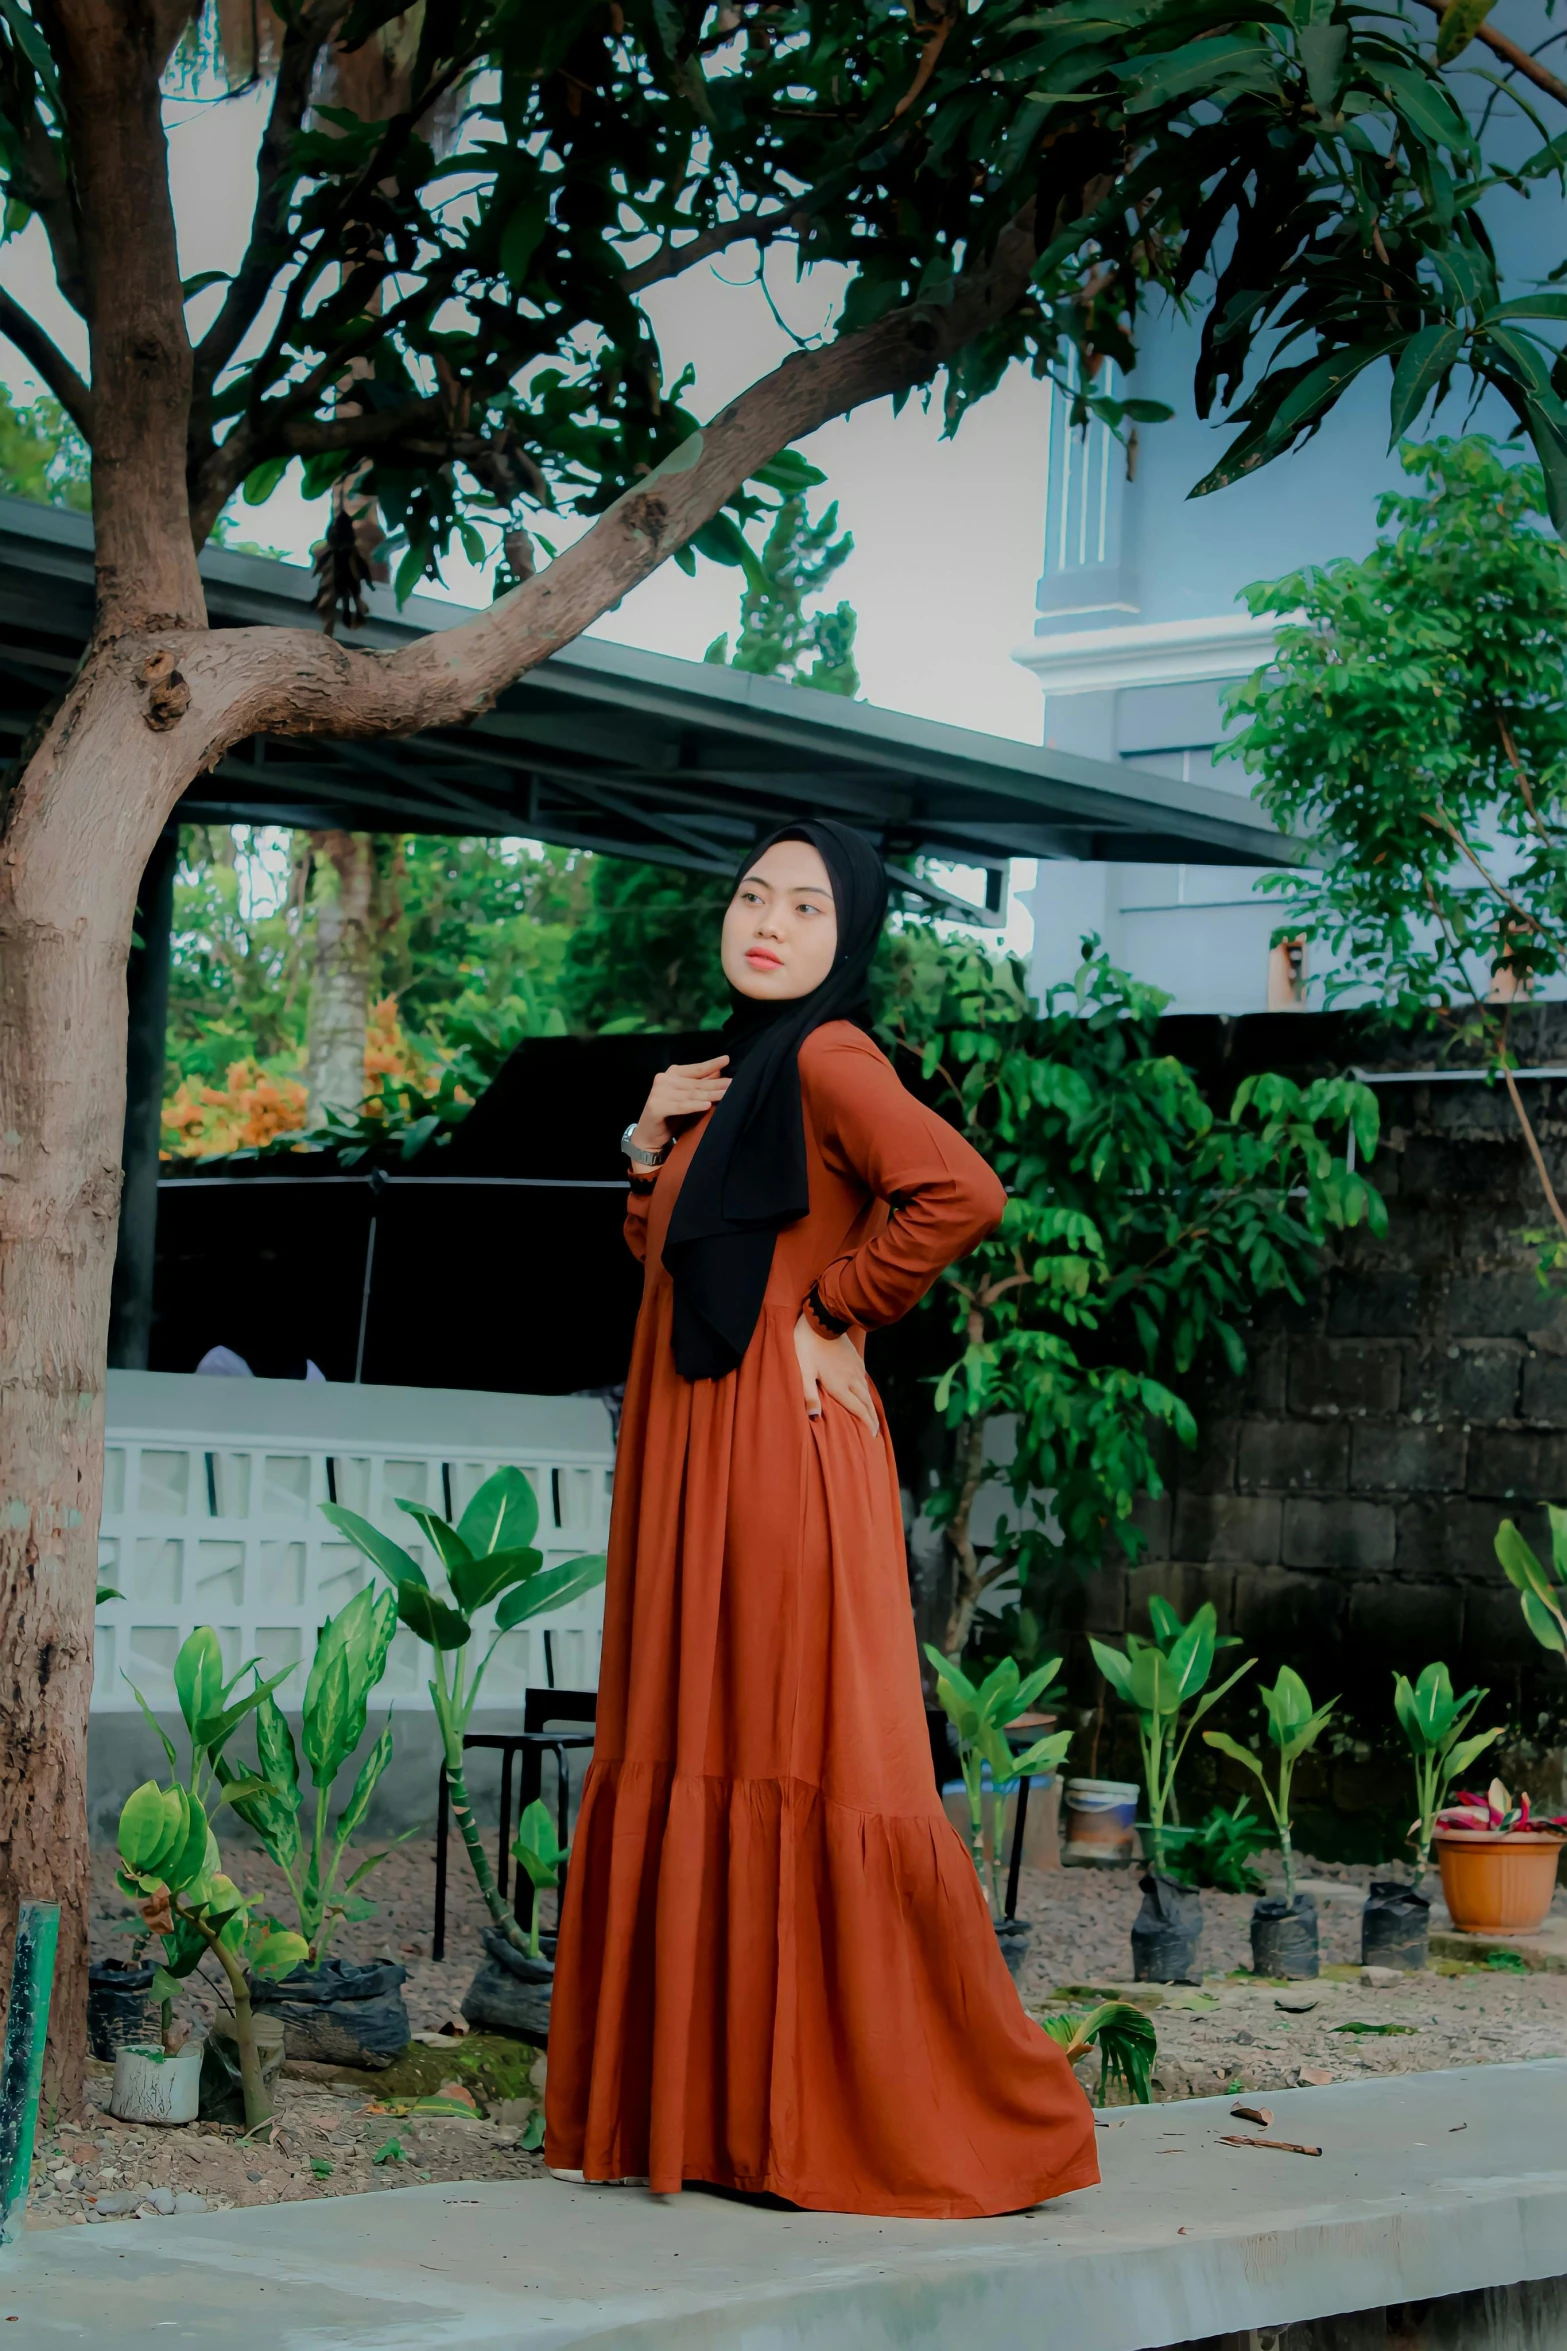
(1142, 1230)
(1218, 1852)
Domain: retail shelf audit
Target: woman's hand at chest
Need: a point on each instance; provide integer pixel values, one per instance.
(838, 1366)
(683, 1091)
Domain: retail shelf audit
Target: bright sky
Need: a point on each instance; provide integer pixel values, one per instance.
(948, 534)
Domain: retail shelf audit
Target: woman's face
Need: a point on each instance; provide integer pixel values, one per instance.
(781, 930)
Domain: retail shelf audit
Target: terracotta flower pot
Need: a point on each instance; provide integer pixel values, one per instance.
(1497, 1885)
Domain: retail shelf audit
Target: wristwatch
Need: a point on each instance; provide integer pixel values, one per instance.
(635, 1153)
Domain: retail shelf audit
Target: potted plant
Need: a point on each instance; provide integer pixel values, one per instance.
(1498, 1861)
(171, 1867)
(489, 1561)
(511, 1994)
(1283, 1933)
(1396, 1921)
(979, 1715)
(1164, 1680)
(333, 2011)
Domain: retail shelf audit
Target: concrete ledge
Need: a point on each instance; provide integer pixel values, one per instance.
(1545, 1952)
(1429, 2185)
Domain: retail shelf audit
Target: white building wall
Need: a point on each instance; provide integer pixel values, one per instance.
(212, 1515)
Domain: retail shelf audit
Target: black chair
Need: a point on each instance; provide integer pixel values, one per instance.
(944, 1762)
(532, 1742)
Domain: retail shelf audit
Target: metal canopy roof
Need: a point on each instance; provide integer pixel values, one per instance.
(607, 748)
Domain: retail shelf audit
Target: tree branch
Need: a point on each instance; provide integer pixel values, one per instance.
(253, 280)
(22, 329)
(1516, 56)
(111, 59)
(307, 685)
(1535, 1153)
(670, 260)
(38, 179)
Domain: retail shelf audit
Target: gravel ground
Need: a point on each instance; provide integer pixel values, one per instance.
(336, 2137)
(1234, 2032)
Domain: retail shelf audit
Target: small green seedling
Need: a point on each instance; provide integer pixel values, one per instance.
(390, 2151)
(541, 1854)
(1293, 1726)
(1433, 1720)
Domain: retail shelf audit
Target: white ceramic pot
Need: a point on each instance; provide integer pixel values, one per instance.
(151, 2087)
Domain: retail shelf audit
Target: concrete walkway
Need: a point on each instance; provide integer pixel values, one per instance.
(1428, 2184)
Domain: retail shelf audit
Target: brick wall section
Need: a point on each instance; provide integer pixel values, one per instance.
(1341, 1507)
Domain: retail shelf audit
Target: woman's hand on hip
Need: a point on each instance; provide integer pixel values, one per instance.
(838, 1366)
(685, 1090)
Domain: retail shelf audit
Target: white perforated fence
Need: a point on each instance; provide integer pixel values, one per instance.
(211, 1495)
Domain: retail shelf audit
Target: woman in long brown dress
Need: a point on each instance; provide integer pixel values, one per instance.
(776, 1969)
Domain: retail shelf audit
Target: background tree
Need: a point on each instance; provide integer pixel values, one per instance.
(465, 960)
(995, 184)
(776, 638)
(42, 455)
(646, 954)
(1414, 721)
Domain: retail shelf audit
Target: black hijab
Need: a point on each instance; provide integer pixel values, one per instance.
(747, 1177)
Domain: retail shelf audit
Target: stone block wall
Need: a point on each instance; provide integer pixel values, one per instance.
(1341, 1507)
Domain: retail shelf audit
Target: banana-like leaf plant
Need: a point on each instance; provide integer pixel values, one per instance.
(542, 1855)
(172, 1869)
(490, 1561)
(980, 1713)
(1125, 2039)
(1542, 1591)
(1294, 1724)
(1433, 1720)
(350, 1658)
(1164, 1680)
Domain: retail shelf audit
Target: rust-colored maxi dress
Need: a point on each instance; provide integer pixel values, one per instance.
(776, 1967)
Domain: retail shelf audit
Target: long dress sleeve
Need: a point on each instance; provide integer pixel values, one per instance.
(639, 1195)
(943, 1197)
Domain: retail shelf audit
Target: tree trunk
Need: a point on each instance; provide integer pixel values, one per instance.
(63, 945)
(969, 1468)
(344, 893)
